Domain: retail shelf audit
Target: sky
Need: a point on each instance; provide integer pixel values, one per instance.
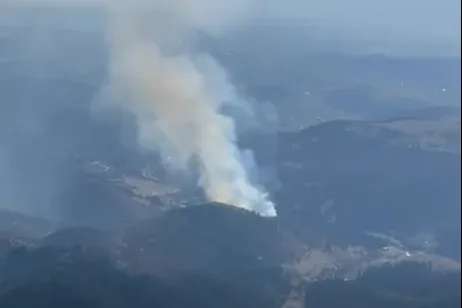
(414, 26)
(422, 23)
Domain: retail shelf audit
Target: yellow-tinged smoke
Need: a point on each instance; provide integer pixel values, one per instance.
(176, 97)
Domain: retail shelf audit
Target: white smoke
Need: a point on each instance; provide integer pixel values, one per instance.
(177, 95)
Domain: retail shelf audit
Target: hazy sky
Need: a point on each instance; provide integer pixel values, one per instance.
(422, 23)
(417, 25)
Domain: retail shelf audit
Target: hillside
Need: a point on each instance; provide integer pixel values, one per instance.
(69, 278)
(22, 225)
(345, 178)
(212, 239)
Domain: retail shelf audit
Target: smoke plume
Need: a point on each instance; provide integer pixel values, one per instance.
(177, 94)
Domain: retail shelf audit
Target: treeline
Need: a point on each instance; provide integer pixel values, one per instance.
(57, 278)
(408, 285)
(54, 278)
